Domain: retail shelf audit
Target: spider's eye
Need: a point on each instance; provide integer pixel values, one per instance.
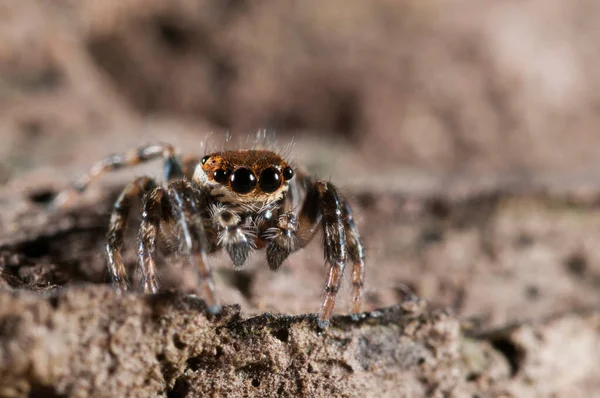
(242, 180)
(204, 159)
(288, 173)
(220, 176)
(270, 180)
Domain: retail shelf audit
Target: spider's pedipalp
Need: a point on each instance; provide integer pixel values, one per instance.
(238, 253)
(235, 234)
(283, 239)
(118, 220)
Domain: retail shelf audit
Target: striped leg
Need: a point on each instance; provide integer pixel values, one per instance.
(172, 168)
(334, 240)
(356, 252)
(322, 205)
(118, 221)
(186, 200)
(152, 213)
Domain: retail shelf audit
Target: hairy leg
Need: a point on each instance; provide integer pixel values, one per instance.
(334, 242)
(356, 252)
(156, 208)
(172, 168)
(322, 205)
(118, 221)
(188, 202)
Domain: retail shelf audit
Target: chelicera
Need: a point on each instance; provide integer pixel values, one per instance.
(237, 201)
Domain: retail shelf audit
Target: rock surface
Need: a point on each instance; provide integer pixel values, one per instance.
(91, 342)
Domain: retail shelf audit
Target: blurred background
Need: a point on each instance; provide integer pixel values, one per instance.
(450, 125)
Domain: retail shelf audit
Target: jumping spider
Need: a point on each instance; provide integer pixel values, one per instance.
(240, 201)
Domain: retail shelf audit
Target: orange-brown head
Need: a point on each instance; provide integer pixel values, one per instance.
(245, 176)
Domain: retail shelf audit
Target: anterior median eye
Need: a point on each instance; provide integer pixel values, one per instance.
(242, 180)
(270, 180)
(221, 176)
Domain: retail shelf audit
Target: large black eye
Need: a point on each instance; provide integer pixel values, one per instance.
(220, 176)
(270, 180)
(288, 173)
(204, 159)
(242, 180)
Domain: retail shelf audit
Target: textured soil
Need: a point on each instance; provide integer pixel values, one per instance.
(463, 133)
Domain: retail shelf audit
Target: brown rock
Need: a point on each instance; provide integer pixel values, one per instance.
(90, 341)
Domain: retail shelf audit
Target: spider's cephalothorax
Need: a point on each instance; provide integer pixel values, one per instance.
(239, 201)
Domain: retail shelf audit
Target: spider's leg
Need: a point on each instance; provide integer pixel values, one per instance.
(156, 207)
(356, 252)
(331, 206)
(293, 232)
(187, 201)
(172, 168)
(324, 205)
(118, 220)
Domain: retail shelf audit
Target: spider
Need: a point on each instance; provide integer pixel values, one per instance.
(237, 200)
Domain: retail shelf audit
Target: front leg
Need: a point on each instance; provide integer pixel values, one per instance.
(322, 205)
(334, 242)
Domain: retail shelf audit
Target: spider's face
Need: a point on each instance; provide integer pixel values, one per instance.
(245, 175)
